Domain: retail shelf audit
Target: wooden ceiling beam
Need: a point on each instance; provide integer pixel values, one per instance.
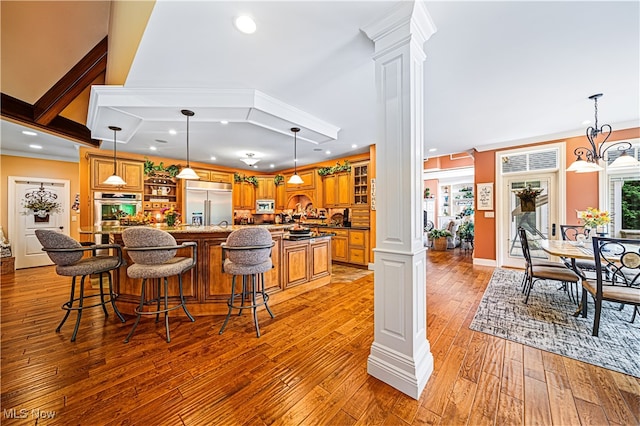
(22, 112)
(71, 85)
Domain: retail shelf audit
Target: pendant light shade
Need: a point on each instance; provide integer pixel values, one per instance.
(295, 179)
(114, 179)
(187, 173)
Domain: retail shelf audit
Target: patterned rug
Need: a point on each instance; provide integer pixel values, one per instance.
(547, 323)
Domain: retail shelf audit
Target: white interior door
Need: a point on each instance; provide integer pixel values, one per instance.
(23, 223)
(539, 223)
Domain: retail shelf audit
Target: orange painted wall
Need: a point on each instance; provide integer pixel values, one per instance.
(485, 227)
(582, 189)
(34, 167)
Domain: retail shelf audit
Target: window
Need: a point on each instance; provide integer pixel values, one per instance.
(622, 196)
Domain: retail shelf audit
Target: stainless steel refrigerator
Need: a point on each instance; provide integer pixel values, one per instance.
(208, 203)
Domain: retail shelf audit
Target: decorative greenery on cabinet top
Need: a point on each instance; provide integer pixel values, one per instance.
(278, 180)
(346, 167)
(237, 178)
(151, 169)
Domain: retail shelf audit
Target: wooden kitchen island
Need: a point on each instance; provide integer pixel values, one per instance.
(300, 265)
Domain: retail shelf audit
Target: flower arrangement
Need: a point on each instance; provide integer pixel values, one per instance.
(171, 216)
(41, 202)
(151, 169)
(593, 217)
(528, 193)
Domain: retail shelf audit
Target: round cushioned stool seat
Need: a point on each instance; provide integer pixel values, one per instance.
(240, 269)
(171, 267)
(87, 266)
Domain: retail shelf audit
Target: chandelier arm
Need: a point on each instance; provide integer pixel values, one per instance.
(586, 152)
(621, 146)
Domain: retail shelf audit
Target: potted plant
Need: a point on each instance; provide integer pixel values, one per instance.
(466, 234)
(439, 238)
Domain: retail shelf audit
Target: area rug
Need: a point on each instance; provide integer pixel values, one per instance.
(547, 323)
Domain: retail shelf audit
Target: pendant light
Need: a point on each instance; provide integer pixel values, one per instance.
(187, 172)
(114, 179)
(295, 179)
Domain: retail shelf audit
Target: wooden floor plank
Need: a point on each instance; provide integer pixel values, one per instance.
(308, 368)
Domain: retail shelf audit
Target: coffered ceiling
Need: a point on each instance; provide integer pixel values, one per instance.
(496, 73)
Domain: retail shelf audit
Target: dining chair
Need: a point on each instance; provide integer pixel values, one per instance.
(535, 272)
(571, 233)
(537, 261)
(617, 277)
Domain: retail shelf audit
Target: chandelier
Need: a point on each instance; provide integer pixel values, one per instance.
(587, 158)
(250, 160)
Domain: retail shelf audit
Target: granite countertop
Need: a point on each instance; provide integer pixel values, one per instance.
(311, 235)
(327, 226)
(181, 229)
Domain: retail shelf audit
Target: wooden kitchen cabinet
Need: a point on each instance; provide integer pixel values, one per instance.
(320, 254)
(296, 264)
(266, 189)
(213, 176)
(359, 246)
(244, 196)
(130, 170)
(281, 197)
(340, 245)
(309, 178)
(360, 184)
(337, 190)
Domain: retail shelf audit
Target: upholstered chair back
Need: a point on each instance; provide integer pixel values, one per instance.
(55, 240)
(248, 237)
(141, 236)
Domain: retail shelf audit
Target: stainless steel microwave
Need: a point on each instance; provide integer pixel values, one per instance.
(265, 206)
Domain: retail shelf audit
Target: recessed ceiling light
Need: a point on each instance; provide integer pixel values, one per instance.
(29, 133)
(153, 148)
(255, 167)
(35, 146)
(213, 158)
(172, 132)
(433, 149)
(354, 146)
(272, 165)
(585, 122)
(224, 122)
(245, 24)
(327, 152)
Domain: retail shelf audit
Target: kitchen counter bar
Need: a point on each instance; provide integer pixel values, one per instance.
(299, 266)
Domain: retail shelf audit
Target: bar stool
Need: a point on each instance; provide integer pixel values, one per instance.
(67, 254)
(153, 252)
(248, 254)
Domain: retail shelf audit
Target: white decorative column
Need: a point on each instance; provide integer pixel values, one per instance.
(400, 354)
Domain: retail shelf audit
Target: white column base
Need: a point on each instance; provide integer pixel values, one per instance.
(407, 375)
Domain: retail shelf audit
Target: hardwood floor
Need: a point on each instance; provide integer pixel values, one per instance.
(308, 368)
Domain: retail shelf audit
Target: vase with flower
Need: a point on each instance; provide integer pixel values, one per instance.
(171, 216)
(595, 220)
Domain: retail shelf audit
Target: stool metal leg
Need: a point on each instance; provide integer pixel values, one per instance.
(80, 305)
(254, 279)
(182, 301)
(68, 304)
(140, 308)
(104, 306)
(113, 300)
(243, 296)
(265, 297)
(229, 303)
(166, 307)
(158, 293)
